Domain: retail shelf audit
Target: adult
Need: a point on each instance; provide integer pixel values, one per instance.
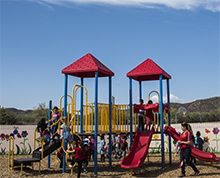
(185, 148)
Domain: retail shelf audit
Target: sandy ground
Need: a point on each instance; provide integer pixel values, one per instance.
(153, 169)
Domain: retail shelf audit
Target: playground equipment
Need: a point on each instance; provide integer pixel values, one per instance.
(98, 118)
(37, 155)
(139, 150)
(201, 155)
(148, 71)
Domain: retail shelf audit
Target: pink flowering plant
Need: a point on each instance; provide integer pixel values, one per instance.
(215, 132)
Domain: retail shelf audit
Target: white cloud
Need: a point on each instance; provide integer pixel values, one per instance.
(212, 5)
(173, 99)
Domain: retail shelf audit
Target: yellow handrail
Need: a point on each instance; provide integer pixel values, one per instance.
(75, 88)
(11, 153)
(154, 91)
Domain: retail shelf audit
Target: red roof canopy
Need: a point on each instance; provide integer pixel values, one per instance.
(86, 67)
(147, 70)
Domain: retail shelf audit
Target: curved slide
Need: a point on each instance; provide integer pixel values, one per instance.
(139, 150)
(201, 155)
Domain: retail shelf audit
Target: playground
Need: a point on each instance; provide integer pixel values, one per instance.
(147, 170)
(95, 119)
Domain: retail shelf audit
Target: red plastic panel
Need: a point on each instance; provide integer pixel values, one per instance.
(147, 70)
(139, 150)
(86, 67)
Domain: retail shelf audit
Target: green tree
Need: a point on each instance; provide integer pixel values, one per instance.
(40, 112)
(7, 117)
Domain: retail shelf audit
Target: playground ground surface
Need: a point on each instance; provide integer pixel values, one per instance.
(147, 170)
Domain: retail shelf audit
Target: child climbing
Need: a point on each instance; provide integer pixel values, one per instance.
(56, 115)
(41, 127)
(79, 155)
(66, 132)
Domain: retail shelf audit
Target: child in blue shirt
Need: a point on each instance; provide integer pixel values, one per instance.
(102, 148)
(199, 141)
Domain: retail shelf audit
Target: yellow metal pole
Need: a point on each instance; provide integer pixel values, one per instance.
(116, 119)
(119, 110)
(158, 122)
(34, 137)
(211, 163)
(12, 154)
(39, 165)
(42, 148)
(21, 168)
(131, 172)
(9, 152)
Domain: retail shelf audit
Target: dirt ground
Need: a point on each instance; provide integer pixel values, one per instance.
(153, 169)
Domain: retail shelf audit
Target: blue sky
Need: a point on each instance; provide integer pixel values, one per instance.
(40, 38)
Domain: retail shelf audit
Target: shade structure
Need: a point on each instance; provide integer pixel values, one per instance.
(86, 67)
(148, 70)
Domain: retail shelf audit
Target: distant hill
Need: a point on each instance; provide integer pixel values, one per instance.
(206, 106)
(19, 111)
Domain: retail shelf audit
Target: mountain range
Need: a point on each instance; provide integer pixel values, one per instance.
(205, 105)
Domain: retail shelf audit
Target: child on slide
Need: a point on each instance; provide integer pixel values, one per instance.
(149, 115)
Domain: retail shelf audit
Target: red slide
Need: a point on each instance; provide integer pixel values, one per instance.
(201, 155)
(139, 150)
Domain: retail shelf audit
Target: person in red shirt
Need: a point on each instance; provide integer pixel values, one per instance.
(185, 148)
(124, 146)
(60, 156)
(79, 155)
(86, 156)
(149, 115)
(91, 148)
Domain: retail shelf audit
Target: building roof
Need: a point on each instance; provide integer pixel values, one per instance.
(86, 67)
(147, 70)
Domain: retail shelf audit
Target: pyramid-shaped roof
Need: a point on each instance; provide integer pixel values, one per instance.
(86, 67)
(147, 70)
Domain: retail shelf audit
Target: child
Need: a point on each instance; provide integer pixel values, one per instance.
(149, 115)
(102, 148)
(79, 155)
(66, 132)
(124, 146)
(60, 156)
(141, 116)
(117, 146)
(193, 144)
(199, 140)
(91, 148)
(85, 158)
(177, 149)
(41, 126)
(86, 140)
(55, 116)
